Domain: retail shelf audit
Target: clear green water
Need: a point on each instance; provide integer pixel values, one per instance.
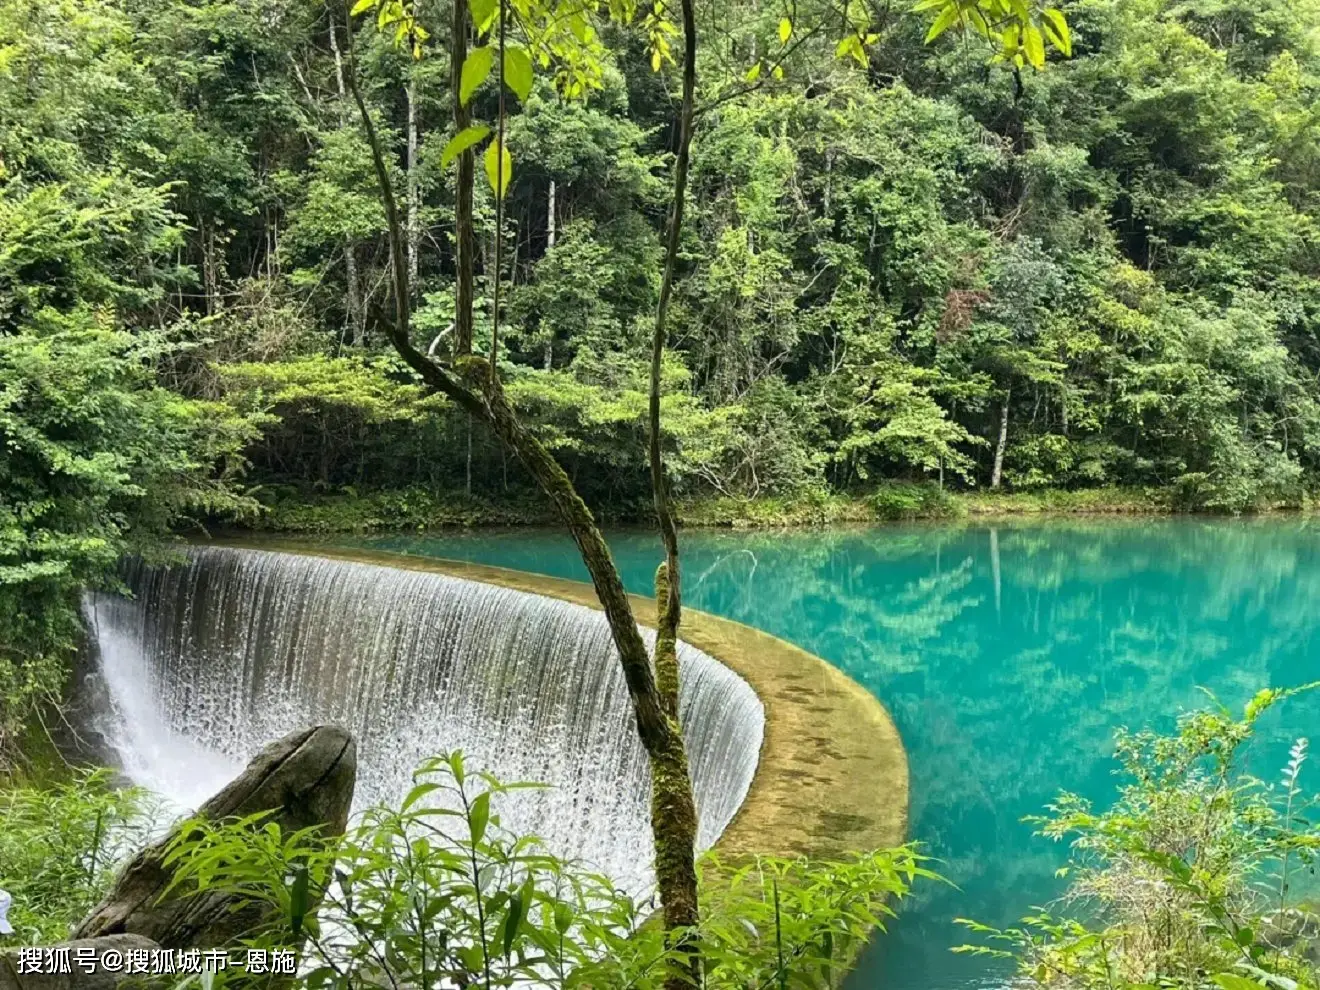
(1007, 656)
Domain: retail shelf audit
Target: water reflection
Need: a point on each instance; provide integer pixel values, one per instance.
(1008, 656)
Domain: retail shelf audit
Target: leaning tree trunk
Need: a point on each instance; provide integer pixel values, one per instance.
(472, 384)
(996, 475)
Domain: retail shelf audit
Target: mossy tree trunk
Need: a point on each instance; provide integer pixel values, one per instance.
(673, 809)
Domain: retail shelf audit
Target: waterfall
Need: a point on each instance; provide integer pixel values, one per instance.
(217, 655)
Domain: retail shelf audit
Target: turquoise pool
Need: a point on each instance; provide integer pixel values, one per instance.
(1008, 655)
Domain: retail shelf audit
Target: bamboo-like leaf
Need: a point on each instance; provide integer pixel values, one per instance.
(299, 901)
(421, 790)
(480, 813)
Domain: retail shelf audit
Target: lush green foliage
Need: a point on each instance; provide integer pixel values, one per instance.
(60, 847)
(98, 454)
(1199, 871)
(1113, 258)
(436, 893)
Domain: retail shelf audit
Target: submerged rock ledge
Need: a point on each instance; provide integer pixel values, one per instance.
(833, 774)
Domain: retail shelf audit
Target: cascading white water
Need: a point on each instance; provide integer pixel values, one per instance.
(218, 655)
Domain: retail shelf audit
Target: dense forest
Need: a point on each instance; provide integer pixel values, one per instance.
(919, 267)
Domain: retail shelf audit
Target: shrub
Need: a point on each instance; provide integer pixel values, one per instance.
(897, 501)
(60, 846)
(436, 893)
(1189, 880)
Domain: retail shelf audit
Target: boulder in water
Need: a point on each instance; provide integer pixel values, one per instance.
(306, 778)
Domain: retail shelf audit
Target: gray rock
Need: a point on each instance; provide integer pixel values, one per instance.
(307, 778)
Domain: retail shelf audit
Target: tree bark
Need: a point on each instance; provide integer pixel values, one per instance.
(996, 476)
(464, 238)
(551, 234)
(356, 313)
(414, 186)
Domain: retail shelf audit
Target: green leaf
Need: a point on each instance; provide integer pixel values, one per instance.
(754, 73)
(563, 917)
(483, 14)
(476, 67)
(942, 23)
(458, 144)
(421, 790)
(299, 902)
(1231, 981)
(1056, 26)
(512, 921)
(361, 7)
(785, 30)
(1033, 44)
(480, 813)
(518, 72)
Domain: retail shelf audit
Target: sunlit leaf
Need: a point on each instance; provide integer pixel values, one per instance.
(476, 67)
(518, 71)
(1033, 44)
(483, 14)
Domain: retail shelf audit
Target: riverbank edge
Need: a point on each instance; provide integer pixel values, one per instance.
(421, 510)
(832, 777)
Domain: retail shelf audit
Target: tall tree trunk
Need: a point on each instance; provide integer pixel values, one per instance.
(356, 311)
(414, 186)
(551, 234)
(472, 384)
(210, 273)
(998, 473)
(464, 238)
(673, 810)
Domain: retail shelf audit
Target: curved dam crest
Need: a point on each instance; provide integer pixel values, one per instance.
(230, 648)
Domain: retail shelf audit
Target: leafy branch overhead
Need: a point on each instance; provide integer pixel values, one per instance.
(562, 37)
